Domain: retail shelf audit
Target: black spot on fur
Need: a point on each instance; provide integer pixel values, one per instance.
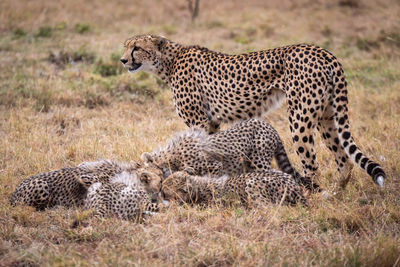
(346, 135)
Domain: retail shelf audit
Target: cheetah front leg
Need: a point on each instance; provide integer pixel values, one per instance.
(196, 112)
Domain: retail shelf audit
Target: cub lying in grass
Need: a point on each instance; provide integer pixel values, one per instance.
(69, 186)
(122, 197)
(253, 188)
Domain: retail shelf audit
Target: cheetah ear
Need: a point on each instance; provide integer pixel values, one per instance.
(144, 178)
(87, 180)
(190, 170)
(160, 42)
(146, 157)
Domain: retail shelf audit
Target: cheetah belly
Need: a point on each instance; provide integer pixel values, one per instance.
(273, 101)
(246, 108)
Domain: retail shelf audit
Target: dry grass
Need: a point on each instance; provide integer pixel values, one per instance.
(64, 100)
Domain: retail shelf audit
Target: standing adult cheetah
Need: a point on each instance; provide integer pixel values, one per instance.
(210, 88)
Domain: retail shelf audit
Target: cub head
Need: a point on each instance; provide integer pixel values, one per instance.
(176, 187)
(166, 166)
(150, 178)
(142, 52)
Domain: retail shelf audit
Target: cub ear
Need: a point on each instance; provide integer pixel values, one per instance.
(144, 178)
(146, 157)
(87, 180)
(190, 170)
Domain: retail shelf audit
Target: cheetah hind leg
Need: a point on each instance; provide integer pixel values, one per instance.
(329, 132)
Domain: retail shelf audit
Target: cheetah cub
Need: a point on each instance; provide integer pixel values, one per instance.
(247, 146)
(121, 198)
(253, 189)
(69, 186)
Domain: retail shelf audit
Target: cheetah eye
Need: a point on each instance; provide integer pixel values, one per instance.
(137, 48)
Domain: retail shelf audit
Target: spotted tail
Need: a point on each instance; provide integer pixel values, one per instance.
(342, 124)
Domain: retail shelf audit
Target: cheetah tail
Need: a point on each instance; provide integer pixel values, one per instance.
(282, 160)
(343, 127)
(285, 166)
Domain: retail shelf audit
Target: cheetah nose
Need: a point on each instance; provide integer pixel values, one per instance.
(124, 60)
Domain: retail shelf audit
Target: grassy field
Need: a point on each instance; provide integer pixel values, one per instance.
(64, 99)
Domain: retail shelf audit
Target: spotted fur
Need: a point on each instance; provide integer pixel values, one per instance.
(246, 147)
(254, 188)
(210, 88)
(68, 186)
(124, 200)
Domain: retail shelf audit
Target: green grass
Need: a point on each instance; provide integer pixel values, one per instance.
(82, 28)
(44, 31)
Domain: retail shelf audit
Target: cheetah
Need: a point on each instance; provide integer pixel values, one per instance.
(253, 188)
(69, 186)
(247, 146)
(121, 198)
(210, 88)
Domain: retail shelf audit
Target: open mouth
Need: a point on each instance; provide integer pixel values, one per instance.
(135, 66)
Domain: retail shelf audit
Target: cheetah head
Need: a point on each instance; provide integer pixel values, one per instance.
(150, 178)
(142, 52)
(17, 198)
(177, 187)
(166, 166)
